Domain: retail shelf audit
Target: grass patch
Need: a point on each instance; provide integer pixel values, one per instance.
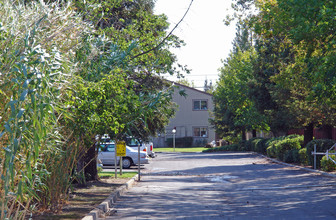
(112, 174)
(184, 150)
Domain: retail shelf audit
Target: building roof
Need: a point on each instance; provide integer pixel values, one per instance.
(188, 87)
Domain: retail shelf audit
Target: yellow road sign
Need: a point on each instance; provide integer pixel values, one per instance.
(121, 148)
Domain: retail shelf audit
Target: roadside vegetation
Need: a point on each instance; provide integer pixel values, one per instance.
(70, 70)
(288, 149)
(280, 74)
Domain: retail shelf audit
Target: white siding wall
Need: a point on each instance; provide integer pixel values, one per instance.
(186, 119)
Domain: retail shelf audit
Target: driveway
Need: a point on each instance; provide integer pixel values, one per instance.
(226, 186)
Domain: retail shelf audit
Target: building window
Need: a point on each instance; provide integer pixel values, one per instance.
(200, 132)
(200, 105)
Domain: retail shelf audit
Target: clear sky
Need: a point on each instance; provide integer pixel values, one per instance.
(208, 40)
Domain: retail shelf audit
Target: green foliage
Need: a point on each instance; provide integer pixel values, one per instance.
(261, 146)
(292, 156)
(251, 144)
(285, 148)
(328, 165)
(312, 30)
(130, 28)
(35, 70)
(288, 150)
(294, 62)
(303, 156)
(134, 20)
(277, 147)
(322, 145)
(270, 145)
(61, 84)
(292, 82)
(182, 142)
(234, 111)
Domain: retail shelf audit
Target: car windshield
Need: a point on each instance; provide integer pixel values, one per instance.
(107, 147)
(132, 142)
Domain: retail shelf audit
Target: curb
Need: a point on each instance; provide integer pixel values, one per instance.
(107, 204)
(299, 167)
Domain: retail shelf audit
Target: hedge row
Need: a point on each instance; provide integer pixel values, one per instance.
(286, 148)
(180, 142)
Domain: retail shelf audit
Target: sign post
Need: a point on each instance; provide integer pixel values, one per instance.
(121, 152)
(174, 131)
(139, 162)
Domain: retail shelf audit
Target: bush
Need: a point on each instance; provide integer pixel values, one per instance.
(251, 144)
(261, 146)
(328, 165)
(287, 149)
(180, 142)
(303, 156)
(270, 147)
(242, 146)
(291, 156)
(322, 145)
(277, 147)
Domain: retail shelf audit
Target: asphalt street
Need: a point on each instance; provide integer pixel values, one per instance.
(226, 186)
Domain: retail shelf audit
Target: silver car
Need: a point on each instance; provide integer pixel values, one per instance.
(106, 156)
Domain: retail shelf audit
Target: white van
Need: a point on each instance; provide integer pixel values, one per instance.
(144, 146)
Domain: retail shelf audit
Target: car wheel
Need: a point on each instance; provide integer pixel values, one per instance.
(126, 162)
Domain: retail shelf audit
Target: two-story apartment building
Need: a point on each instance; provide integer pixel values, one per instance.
(191, 120)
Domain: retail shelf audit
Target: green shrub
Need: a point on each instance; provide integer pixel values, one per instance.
(243, 146)
(322, 145)
(328, 165)
(291, 156)
(251, 144)
(261, 146)
(276, 147)
(180, 142)
(271, 151)
(200, 142)
(303, 156)
(287, 149)
(270, 145)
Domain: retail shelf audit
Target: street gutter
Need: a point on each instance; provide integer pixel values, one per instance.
(106, 207)
(297, 166)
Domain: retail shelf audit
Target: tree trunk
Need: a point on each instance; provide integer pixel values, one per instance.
(308, 134)
(91, 172)
(243, 134)
(254, 133)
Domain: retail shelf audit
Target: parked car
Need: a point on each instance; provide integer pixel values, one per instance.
(106, 156)
(144, 146)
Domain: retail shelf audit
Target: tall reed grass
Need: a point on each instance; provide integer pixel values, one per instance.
(37, 155)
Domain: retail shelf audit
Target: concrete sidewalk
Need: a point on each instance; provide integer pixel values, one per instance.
(106, 206)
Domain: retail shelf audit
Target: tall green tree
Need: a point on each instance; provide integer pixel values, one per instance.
(312, 29)
(134, 22)
(234, 110)
(301, 58)
(132, 28)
